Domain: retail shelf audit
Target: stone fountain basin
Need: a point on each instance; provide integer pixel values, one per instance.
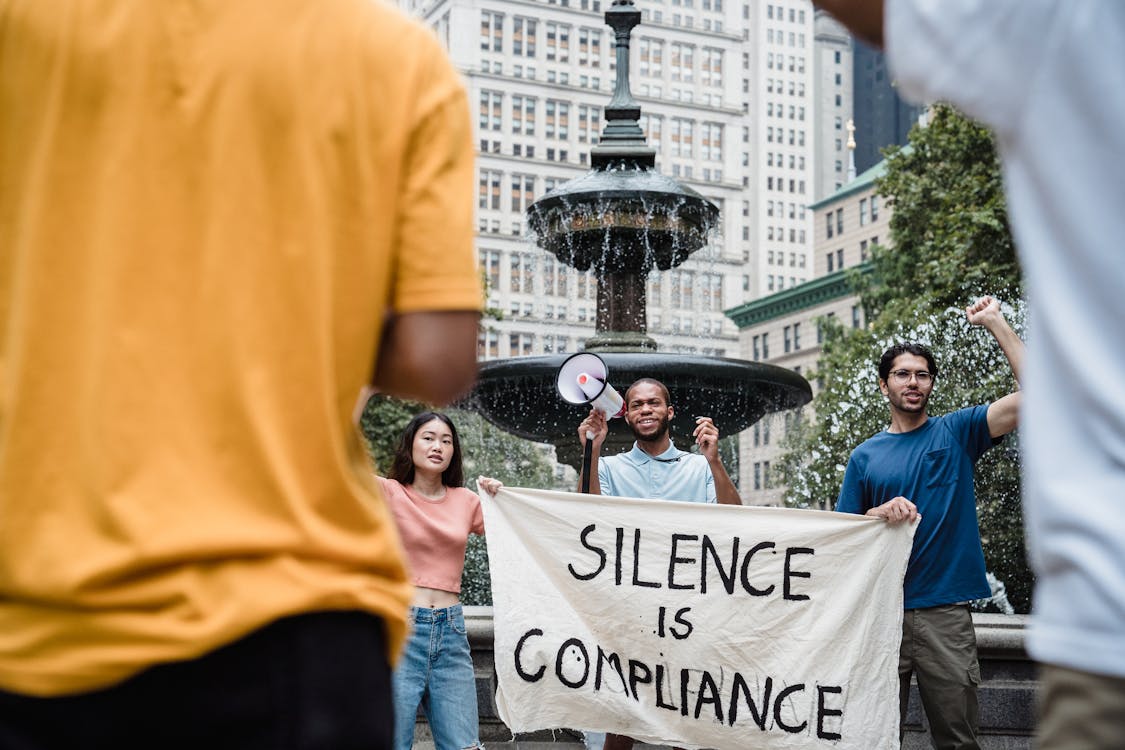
(519, 395)
(622, 220)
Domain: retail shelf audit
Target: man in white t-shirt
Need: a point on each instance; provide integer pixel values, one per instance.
(1048, 77)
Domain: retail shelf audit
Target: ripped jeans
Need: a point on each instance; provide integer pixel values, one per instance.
(436, 671)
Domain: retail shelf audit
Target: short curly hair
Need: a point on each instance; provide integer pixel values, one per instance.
(895, 351)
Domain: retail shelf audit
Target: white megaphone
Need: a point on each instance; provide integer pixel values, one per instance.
(583, 379)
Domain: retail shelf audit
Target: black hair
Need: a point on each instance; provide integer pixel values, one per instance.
(402, 467)
(651, 381)
(895, 351)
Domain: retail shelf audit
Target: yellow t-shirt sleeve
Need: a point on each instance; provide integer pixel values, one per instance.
(436, 266)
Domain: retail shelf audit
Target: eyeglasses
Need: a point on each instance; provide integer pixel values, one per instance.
(902, 377)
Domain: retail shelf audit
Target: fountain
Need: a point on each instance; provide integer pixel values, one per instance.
(624, 219)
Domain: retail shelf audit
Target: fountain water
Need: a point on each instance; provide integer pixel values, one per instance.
(624, 219)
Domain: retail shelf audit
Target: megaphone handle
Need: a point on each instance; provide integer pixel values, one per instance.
(587, 459)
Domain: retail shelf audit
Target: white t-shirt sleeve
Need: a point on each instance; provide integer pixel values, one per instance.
(980, 55)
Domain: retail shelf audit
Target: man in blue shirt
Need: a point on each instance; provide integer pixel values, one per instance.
(921, 468)
(655, 468)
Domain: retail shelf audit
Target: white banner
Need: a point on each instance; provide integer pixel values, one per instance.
(696, 625)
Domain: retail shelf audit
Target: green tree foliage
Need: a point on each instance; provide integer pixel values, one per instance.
(486, 450)
(949, 226)
(950, 244)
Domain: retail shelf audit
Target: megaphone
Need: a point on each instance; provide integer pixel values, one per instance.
(583, 379)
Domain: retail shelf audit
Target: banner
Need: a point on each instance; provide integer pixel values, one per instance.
(696, 625)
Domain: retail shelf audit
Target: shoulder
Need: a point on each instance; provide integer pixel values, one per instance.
(388, 485)
(612, 462)
(464, 495)
(963, 419)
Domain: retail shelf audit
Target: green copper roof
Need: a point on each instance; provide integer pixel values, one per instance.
(862, 182)
(794, 299)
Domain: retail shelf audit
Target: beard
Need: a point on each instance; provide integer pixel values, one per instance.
(663, 428)
(899, 402)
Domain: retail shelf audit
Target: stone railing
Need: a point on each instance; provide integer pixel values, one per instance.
(1007, 690)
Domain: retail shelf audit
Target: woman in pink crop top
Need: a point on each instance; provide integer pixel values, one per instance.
(435, 516)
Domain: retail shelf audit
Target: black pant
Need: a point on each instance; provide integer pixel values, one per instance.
(306, 682)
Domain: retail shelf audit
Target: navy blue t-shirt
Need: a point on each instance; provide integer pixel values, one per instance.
(932, 467)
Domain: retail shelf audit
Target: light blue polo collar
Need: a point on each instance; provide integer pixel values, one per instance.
(638, 457)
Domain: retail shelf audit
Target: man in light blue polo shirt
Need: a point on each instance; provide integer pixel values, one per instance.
(655, 468)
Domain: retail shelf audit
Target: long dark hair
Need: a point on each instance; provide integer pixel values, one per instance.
(402, 467)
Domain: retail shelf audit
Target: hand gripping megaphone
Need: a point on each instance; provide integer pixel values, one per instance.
(584, 379)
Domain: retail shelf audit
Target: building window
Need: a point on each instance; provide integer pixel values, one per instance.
(491, 31)
(523, 192)
(796, 336)
(490, 265)
(523, 115)
(491, 109)
(874, 208)
(587, 124)
(558, 42)
(558, 120)
(839, 221)
(488, 195)
(589, 47)
(828, 224)
(787, 340)
(523, 37)
(863, 212)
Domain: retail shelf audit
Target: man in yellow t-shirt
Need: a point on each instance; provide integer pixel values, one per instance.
(218, 221)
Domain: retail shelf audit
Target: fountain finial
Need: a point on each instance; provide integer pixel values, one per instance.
(622, 142)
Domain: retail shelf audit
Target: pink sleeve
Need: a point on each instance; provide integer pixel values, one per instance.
(477, 525)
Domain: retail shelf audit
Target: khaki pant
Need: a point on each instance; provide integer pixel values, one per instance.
(1080, 710)
(939, 647)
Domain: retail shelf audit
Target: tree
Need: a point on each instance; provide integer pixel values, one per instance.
(950, 244)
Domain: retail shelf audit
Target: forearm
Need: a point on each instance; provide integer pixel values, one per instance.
(725, 491)
(1011, 344)
(428, 356)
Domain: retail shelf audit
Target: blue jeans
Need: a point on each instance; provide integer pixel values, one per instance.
(436, 671)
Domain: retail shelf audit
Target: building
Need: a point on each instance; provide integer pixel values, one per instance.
(882, 118)
(785, 328)
(833, 71)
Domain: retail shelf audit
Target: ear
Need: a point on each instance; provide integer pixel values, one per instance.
(671, 412)
(883, 387)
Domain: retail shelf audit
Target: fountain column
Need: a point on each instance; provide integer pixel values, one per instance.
(623, 220)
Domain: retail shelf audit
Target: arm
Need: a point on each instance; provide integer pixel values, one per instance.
(428, 356)
(863, 17)
(596, 425)
(706, 436)
(1003, 414)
